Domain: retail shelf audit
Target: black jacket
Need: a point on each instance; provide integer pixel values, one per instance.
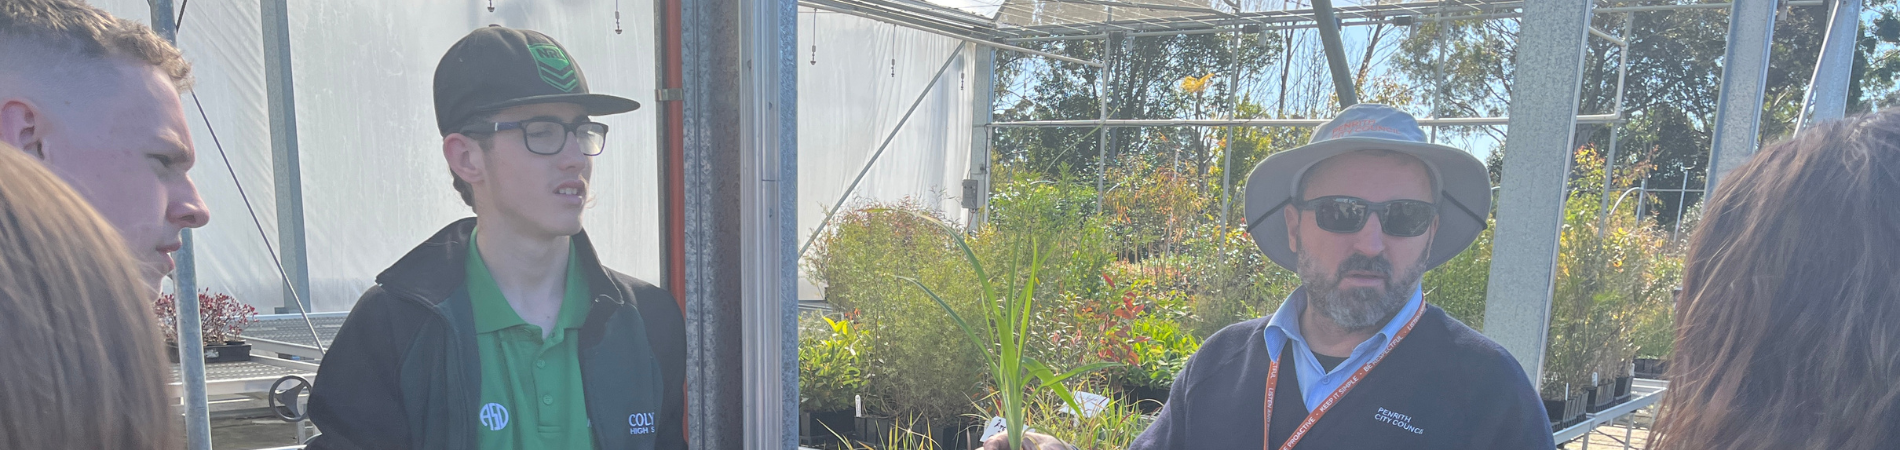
(404, 372)
(1444, 387)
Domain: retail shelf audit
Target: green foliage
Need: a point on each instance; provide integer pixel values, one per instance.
(1458, 285)
(1113, 428)
(1168, 233)
(901, 437)
(829, 370)
(1613, 270)
(1229, 280)
(915, 363)
(1002, 336)
(1162, 348)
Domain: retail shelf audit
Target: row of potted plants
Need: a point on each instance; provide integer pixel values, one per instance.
(1140, 283)
(1613, 301)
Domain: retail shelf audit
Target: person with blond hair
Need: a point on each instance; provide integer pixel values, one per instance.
(95, 98)
(1786, 335)
(80, 359)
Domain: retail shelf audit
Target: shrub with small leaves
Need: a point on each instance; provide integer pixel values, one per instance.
(222, 318)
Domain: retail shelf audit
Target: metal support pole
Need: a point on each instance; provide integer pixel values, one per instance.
(879, 153)
(1642, 200)
(1115, 123)
(1335, 52)
(191, 351)
(1438, 67)
(991, 44)
(1827, 91)
(1537, 149)
(287, 170)
(767, 214)
(1751, 28)
(1622, 73)
(983, 102)
(1101, 132)
(1227, 153)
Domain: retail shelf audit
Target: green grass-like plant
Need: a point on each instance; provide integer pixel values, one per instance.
(1003, 339)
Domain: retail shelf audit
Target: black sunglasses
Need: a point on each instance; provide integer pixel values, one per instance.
(1345, 214)
(1385, 216)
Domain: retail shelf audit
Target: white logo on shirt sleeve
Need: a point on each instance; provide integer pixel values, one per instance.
(494, 416)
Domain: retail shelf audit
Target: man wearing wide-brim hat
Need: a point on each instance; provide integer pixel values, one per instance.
(1355, 358)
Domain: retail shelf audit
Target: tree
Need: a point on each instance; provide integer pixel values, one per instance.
(1144, 74)
(1671, 88)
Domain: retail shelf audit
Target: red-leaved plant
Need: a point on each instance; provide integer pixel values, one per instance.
(222, 318)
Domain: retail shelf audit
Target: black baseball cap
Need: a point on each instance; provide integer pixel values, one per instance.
(496, 67)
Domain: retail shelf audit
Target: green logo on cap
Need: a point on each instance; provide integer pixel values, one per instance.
(554, 66)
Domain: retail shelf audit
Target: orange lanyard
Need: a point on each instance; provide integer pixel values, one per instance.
(1273, 379)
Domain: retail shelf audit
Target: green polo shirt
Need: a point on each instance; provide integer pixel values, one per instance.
(531, 387)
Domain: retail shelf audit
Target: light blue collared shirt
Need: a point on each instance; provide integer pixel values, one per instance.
(1315, 383)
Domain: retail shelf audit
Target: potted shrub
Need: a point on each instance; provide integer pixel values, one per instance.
(1002, 331)
(1602, 393)
(221, 318)
(829, 376)
(914, 362)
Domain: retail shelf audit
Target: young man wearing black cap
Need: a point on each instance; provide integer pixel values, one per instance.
(1355, 358)
(503, 331)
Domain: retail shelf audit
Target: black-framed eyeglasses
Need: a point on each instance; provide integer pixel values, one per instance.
(548, 137)
(1347, 214)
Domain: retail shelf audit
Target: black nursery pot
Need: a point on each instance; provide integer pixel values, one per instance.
(1603, 396)
(1555, 409)
(1651, 368)
(824, 424)
(230, 351)
(1623, 389)
(1149, 399)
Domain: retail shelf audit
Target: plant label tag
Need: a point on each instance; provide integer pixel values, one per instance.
(1092, 404)
(996, 426)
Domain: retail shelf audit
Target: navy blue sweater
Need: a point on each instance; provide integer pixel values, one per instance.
(1444, 387)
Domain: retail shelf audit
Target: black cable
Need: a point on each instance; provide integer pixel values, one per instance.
(318, 340)
(281, 273)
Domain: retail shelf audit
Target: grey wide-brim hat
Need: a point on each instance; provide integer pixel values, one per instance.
(1464, 198)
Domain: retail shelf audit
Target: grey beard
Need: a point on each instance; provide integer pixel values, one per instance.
(1358, 308)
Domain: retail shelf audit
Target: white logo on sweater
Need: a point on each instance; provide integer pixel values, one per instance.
(1398, 420)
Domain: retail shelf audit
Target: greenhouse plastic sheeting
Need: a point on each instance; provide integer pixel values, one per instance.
(866, 74)
(374, 182)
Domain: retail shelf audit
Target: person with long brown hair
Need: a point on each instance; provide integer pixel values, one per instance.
(1788, 327)
(80, 360)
